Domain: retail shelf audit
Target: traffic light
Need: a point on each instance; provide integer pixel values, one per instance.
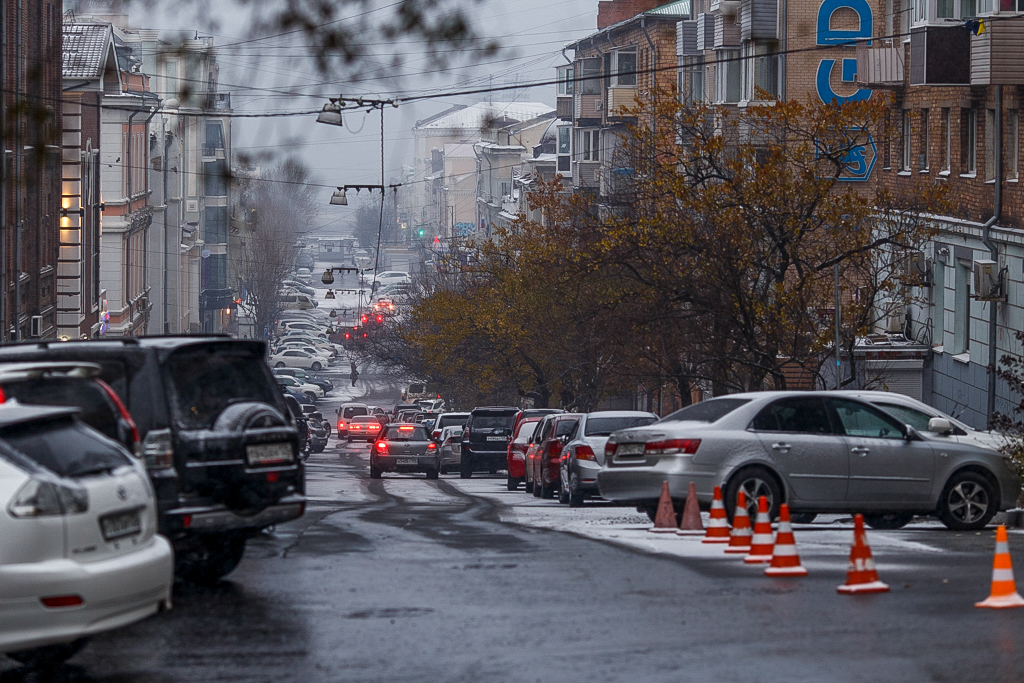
(421, 232)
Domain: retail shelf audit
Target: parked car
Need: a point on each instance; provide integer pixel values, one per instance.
(817, 451)
(80, 553)
(402, 406)
(516, 454)
(303, 275)
(346, 412)
(295, 302)
(301, 422)
(363, 427)
(310, 391)
(450, 444)
(485, 439)
(532, 444)
(294, 358)
(318, 433)
(583, 455)
(300, 374)
(404, 448)
(324, 354)
(313, 328)
(76, 385)
(547, 457)
(220, 453)
(296, 285)
(447, 420)
(536, 412)
(391, 276)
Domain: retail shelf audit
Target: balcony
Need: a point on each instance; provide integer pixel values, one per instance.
(725, 7)
(564, 107)
(997, 57)
(621, 99)
(940, 55)
(880, 66)
(589, 106)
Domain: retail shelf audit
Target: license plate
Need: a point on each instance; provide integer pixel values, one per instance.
(267, 453)
(407, 461)
(120, 525)
(496, 438)
(630, 449)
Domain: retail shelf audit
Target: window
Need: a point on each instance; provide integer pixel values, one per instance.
(905, 141)
(970, 141)
(215, 230)
(799, 415)
(968, 8)
(591, 76)
(692, 88)
(565, 80)
(939, 303)
(944, 9)
(625, 67)
(947, 138)
(1012, 143)
(962, 308)
(216, 178)
(706, 411)
(923, 154)
(214, 138)
(215, 272)
(990, 144)
(564, 140)
(728, 75)
(171, 78)
(591, 145)
(864, 421)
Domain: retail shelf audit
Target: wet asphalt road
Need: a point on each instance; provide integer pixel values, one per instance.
(375, 584)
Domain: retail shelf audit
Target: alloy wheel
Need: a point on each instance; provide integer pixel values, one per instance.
(755, 487)
(967, 502)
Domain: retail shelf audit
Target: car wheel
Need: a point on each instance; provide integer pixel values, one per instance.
(893, 520)
(311, 396)
(968, 502)
(512, 484)
(563, 495)
(528, 486)
(374, 472)
(755, 482)
(465, 470)
(575, 497)
(279, 364)
(49, 655)
(803, 517)
(211, 558)
(536, 490)
(432, 474)
(316, 367)
(444, 469)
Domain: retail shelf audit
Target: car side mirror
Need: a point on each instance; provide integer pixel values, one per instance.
(912, 434)
(940, 425)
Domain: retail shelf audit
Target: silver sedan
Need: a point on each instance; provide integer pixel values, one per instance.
(818, 451)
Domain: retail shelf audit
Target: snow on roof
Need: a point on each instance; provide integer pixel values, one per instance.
(85, 49)
(484, 114)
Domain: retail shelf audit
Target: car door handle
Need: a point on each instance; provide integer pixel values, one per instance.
(860, 450)
(781, 446)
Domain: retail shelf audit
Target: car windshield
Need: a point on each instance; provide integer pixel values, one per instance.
(706, 411)
(406, 433)
(916, 418)
(604, 426)
(449, 420)
(494, 420)
(204, 380)
(65, 446)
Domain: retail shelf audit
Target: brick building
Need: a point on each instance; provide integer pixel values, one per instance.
(30, 182)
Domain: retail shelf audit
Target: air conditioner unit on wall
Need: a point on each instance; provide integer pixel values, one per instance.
(916, 270)
(988, 281)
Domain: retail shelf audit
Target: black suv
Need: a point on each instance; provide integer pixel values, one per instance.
(485, 440)
(215, 436)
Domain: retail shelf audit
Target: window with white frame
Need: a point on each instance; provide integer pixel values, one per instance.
(590, 145)
(1012, 143)
(990, 144)
(565, 80)
(692, 74)
(947, 139)
(728, 77)
(962, 307)
(970, 141)
(923, 161)
(905, 141)
(564, 149)
(590, 75)
(624, 67)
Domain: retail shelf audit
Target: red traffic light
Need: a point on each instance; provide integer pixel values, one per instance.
(365, 319)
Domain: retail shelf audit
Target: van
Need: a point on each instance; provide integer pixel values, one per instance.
(295, 302)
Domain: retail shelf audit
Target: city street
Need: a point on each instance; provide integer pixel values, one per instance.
(404, 579)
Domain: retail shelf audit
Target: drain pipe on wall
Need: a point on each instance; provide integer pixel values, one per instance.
(997, 209)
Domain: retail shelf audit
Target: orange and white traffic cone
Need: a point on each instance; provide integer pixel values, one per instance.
(785, 560)
(718, 524)
(861, 577)
(763, 541)
(665, 519)
(691, 524)
(1004, 588)
(739, 539)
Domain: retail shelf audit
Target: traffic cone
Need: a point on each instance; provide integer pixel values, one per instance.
(1004, 588)
(718, 524)
(739, 539)
(691, 524)
(861, 577)
(762, 543)
(785, 561)
(665, 520)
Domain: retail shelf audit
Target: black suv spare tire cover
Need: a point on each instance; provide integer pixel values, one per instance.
(245, 498)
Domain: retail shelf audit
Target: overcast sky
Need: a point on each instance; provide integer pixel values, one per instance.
(263, 75)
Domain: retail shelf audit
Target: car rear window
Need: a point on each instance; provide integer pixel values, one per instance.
(406, 433)
(65, 446)
(449, 420)
(494, 420)
(707, 411)
(352, 411)
(204, 380)
(97, 410)
(565, 427)
(604, 426)
(526, 430)
(364, 419)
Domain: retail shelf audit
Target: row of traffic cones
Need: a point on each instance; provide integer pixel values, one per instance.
(758, 545)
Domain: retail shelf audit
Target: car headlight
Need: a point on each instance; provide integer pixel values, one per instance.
(43, 499)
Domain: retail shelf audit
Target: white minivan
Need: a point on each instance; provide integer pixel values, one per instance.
(295, 301)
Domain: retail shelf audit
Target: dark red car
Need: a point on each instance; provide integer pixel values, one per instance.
(517, 448)
(546, 473)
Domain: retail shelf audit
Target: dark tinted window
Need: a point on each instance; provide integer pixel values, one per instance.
(205, 380)
(417, 388)
(65, 446)
(540, 412)
(364, 419)
(603, 426)
(449, 420)
(404, 433)
(803, 414)
(565, 427)
(707, 411)
(352, 411)
(97, 410)
(493, 420)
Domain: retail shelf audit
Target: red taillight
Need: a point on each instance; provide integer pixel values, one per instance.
(609, 449)
(341, 425)
(3, 396)
(272, 477)
(437, 433)
(584, 452)
(685, 446)
(431, 446)
(120, 408)
(381, 446)
(62, 601)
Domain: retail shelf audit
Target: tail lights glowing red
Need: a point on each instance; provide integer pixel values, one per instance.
(381, 446)
(584, 452)
(431, 446)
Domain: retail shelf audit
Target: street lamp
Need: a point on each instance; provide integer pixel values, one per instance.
(329, 294)
(339, 198)
(331, 113)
